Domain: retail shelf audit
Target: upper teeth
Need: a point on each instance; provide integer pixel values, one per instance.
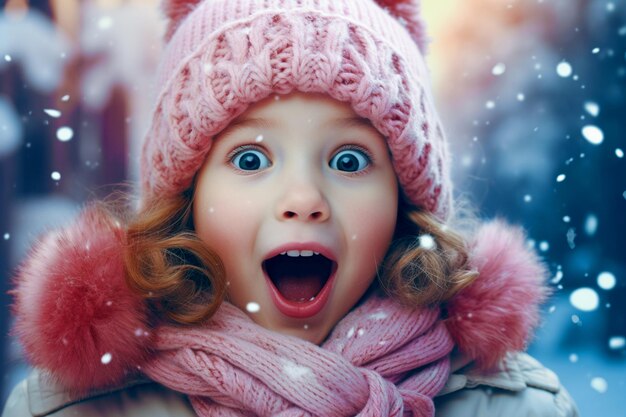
(296, 253)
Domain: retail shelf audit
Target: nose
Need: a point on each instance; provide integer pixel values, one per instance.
(303, 201)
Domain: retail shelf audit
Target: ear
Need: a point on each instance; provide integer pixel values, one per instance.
(408, 13)
(176, 11)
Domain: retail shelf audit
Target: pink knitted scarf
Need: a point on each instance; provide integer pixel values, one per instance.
(382, 359)
(72, 304)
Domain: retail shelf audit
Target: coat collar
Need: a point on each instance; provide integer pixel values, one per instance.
(46, 396)
(515, 372)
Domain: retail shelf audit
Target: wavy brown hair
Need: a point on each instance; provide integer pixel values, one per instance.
(184, 282)
(427, 262)
(167, 264)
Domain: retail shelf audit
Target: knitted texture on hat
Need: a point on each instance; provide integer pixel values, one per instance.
(380, 360)
(227, 55)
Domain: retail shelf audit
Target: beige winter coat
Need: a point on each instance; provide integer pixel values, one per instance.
(521, 388)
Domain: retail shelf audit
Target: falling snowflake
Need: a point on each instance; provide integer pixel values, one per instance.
(593, 134)
(571, 235)
(557, 277)
(584, 299)
(606, 280)
(592, 108)
(599, 384)
(591, 224)
(52, 113)
(253, 307)
(296, 372)
(65, 134)
(564, 69)
(105, 22)
(498, 69)
(427, 242)
(617, 342)
(379, 315)
(350, 333)
(106, 358)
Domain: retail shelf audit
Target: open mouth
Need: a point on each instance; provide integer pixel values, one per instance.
(299, 276)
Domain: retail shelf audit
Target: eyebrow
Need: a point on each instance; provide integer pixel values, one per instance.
(252, 122)
(354, 121)
(260, 123)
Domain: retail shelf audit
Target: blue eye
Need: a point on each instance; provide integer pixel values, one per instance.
(250, 160)
(350, 160)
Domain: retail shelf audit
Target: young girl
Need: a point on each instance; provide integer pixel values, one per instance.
(293, 253)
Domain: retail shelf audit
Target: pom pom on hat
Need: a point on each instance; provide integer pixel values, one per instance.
(408, 13)
(75, 315)
(497, 313)
(176, 11)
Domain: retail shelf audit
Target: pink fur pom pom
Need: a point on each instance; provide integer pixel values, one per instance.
(408, 13)
(74, 313)
(499, 310)
(176, 11)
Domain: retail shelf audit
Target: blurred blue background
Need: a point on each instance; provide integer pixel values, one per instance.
(532, 93)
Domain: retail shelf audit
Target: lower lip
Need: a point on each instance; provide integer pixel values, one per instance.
(304, 309)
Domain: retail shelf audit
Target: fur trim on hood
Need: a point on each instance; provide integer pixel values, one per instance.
(498, 312)
(76, 317)
(74, 313)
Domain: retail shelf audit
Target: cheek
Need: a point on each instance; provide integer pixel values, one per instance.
(372, 231)
(225, 222)
(371, 224)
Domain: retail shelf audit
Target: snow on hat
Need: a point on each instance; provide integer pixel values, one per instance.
(223, 55)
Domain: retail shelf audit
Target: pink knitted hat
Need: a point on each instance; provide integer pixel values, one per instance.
(223, 55)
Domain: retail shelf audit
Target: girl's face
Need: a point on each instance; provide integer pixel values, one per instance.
(299, 199)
